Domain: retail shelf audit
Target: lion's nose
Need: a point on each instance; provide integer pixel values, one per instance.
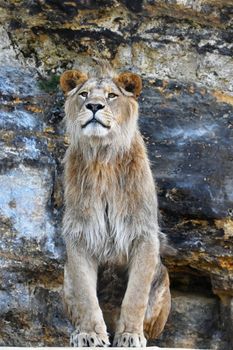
(94, 107)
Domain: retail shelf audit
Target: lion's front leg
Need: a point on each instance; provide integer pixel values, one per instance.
(129, 332)
(81, 299)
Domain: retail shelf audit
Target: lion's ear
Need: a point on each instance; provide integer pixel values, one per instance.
(70, 79)
(130, 82)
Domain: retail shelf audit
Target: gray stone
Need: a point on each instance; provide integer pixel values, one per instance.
(197, 317)
(8, 54)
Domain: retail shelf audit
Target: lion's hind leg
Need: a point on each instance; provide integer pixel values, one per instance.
(159, 305)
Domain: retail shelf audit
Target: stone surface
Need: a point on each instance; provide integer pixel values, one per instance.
(183, 50)
(185, 308)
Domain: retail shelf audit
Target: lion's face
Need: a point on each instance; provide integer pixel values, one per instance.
(101, 108)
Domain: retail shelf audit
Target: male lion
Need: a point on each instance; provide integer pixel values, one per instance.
(110, 215)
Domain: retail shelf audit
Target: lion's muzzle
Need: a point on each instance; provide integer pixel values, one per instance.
(95, 120)
(94, 108)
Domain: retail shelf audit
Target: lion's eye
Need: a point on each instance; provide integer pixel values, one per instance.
(83, 94)
(112, 95)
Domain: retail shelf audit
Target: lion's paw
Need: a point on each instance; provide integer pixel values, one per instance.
(92, 339)
(134, 340)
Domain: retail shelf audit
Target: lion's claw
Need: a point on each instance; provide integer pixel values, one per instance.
(83, 339)
(129, 340)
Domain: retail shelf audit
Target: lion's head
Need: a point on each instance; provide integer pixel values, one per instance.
(101, 108)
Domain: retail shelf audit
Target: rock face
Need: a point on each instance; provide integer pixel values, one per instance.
(183, 50)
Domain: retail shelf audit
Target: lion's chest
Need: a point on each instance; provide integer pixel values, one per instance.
(102, 190)
(107, 212)
(107, 206)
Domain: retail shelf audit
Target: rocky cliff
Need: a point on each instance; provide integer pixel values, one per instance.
(183, 50)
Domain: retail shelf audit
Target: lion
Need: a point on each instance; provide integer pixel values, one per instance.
(110, 218)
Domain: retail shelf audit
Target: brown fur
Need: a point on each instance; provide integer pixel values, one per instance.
(110, 210)
(130, 82)
(70, 79)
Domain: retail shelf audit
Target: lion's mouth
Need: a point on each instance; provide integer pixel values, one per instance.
(95, 121)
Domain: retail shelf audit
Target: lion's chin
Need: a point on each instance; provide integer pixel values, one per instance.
(95, 130)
